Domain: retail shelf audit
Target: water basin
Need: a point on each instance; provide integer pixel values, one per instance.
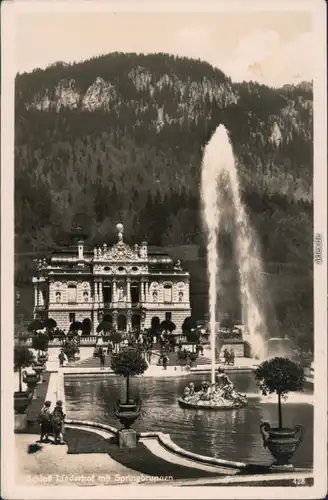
(231, 435)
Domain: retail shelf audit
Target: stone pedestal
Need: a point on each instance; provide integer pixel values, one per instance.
(20, 422)
(127, 438)
(282, 468)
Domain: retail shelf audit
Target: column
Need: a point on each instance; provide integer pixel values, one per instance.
(147, 291)
(36, 298)
(128, 290)
(114, 292)
(101, 298)
(142, 292)
(95, 294)
(41, 301)
(128, 321)
(94, 323)
(114, 316)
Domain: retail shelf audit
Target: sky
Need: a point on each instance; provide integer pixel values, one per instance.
(271, 47)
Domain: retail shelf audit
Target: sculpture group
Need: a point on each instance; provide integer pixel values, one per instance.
(219, 395)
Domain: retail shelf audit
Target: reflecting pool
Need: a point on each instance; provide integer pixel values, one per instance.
(231, 434)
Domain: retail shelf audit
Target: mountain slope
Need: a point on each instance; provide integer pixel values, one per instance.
(120, 137)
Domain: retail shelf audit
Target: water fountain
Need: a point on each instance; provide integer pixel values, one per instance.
(219, 178)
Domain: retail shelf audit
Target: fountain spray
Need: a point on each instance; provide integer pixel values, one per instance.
(219, 165)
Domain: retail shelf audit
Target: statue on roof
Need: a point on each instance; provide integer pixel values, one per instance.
(120, 230)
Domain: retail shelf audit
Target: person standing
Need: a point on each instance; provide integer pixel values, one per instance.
(102, 359)
(58, 419)
(61, 357)
(165, 360)
(44, 419)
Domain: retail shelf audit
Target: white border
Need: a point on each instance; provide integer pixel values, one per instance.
(9, 489)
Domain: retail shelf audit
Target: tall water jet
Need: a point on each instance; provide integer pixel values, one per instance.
(219, 172)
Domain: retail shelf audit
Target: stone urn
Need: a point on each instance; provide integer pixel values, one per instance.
(21, 401)
(282, 443)
(43, 358)
(31, 379)
(127, 413)
(193, 360)
(39, 369)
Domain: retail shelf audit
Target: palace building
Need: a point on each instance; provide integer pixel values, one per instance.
(131, 287)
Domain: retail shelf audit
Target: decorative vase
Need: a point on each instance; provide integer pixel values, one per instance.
(282, 443)
(31, 379)
(42, 359)
(39, 369)
(127, 413)
(21, 401)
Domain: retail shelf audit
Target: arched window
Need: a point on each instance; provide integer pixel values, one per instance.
(58, 296)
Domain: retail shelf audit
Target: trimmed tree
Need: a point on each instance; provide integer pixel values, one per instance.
(192, 337)
(75, 326)
(128, 363)
(188, 325)
(168, 326)
(104, 326)
(279, 375)
(40, 342)
(115, 337)
(23, 358)
(86, 326)
(36, 324)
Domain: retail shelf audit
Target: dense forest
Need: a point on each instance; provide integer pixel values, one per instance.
(120, 138)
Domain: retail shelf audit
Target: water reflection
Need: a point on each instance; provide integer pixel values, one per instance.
(230, 435)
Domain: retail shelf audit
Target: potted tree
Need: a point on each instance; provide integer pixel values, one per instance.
(40, 343)
(86, 326)
(281, 376)
(128, 363)
(115, 337)
(71, 348)
(35, 325)
(182, 357)
(193, 359)
(193, 338)
(23, 358)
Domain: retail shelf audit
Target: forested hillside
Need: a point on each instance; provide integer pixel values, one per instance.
(120, 138)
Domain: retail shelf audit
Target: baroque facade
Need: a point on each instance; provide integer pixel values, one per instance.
(131, 287)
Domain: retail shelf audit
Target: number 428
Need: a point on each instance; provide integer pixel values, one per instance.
(299, 481)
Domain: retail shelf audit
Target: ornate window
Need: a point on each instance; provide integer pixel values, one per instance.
(180, 296)
(167, 293)
(58, 297)
(71, 293)
(86, 296)
(155, 296)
